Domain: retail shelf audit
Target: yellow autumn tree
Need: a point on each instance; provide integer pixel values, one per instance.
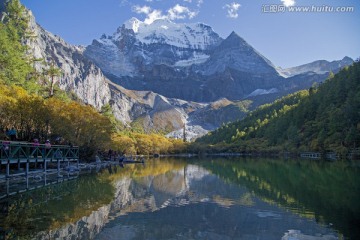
(123, 144)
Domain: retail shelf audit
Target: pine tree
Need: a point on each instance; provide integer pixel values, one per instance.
(53, 73)
(14, 63)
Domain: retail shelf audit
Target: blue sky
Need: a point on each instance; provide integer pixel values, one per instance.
(286, 38)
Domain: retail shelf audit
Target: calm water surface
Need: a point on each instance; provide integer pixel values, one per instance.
(194, 199)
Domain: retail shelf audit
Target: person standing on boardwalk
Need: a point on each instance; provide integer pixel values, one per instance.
(36, 142)
(47, 147)
(6, 147)
(12, 134)
(110, 152)
(47, 144)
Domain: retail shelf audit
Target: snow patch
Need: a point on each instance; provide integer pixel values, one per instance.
(197, 58)
(108, 43)
(297, 235)
(258, 92)
(192, 132)
(266, 214)
(133, 24)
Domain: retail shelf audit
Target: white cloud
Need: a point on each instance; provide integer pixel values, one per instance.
(154, 15)
(232, 9)
(180, 12)
(144, 9)
(151, 14)
(288, 3)
(176, 12)
(198, 2)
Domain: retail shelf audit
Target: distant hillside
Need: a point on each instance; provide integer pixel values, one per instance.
(325, 117)
(319, 67)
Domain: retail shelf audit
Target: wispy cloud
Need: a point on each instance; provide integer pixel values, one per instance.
(180, 12)
(124, 3)
(288, 3)
(232, 9)
(151, 14)
(144, 9)
(176, 12)
(198, 2)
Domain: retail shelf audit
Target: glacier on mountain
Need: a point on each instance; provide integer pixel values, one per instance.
(194, 35)
(197, 58)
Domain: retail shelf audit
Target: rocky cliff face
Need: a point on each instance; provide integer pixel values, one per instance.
(79, 74)
(235, 53)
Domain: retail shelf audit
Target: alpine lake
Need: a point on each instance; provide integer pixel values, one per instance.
(193, 198)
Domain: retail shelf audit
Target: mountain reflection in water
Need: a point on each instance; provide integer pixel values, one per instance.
(197, 199)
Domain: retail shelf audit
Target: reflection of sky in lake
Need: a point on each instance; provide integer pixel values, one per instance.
(189, 203)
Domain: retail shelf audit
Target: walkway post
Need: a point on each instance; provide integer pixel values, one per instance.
(58, 167)
(27, 174)
(7, 186)
(8, 169)
(27, 182)
(27, 168)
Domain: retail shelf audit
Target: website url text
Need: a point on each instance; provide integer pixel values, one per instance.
(279, 8)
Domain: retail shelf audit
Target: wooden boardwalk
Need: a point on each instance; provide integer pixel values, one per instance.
(318, 155)
(26, 166)
(23, 158)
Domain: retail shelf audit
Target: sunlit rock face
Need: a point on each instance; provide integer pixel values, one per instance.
(79, 75)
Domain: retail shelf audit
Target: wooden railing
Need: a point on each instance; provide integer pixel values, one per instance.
(14, 151)
(15, 154)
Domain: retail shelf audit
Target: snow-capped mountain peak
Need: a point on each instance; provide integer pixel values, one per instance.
(194, 36)
(133, 24)
(136, 46)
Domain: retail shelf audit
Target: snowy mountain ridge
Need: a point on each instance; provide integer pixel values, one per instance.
(196, 36)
